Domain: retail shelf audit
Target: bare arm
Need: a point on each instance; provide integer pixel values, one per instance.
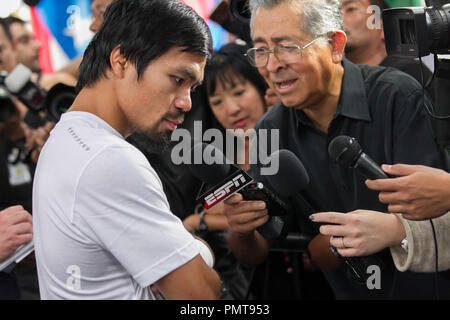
(192, 281)
(215, 219)
(320, 253)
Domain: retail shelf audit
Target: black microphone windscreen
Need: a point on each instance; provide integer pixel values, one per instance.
(344, 150)
(292, 176)
(207, 169)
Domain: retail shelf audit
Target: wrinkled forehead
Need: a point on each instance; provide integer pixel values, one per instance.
(20, 29)
(277, 23)
(364, 3)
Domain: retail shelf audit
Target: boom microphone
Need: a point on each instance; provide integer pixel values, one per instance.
(347, 152)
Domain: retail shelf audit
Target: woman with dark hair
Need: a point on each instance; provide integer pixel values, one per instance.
(233, 97)
(234, 92)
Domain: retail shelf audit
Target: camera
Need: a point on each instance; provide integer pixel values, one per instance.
(418, 31)
(239, 10)
(7, 107)
(233, 16)
(18, 83)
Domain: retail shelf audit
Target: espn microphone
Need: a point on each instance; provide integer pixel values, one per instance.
(229, 179)
(347, 152)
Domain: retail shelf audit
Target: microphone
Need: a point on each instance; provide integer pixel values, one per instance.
(347, 152)
(214, 167)
(227, 179)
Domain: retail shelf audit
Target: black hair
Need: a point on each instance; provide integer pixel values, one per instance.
(4, 25)
(144, 30)
(228, 62)
(223, 65)
(380, 3)
(9, 20)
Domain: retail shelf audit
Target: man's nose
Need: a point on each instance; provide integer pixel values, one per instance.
(273, 64)
(184, 101)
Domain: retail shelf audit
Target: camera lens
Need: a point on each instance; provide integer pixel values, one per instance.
(7, 107)
(239, 9)
(438, 23)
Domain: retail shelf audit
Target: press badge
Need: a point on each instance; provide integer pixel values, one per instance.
(19, 174)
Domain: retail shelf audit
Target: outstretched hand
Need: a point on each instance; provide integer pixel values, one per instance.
(361, 232)
(418, 193)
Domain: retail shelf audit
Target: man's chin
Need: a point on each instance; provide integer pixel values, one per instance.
(289, 102)
(348, 48)
(150, 142)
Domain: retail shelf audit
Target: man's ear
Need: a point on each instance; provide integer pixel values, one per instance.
(118, 63)
(338, 40)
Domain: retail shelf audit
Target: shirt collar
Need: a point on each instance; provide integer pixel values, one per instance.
(352, 100)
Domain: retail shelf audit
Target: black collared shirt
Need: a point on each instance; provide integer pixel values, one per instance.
(383, 109)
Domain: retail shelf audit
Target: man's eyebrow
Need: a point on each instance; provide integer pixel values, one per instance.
(283, 38)
(258, 40)
(275, 39)
(346, 2)
(190, 74)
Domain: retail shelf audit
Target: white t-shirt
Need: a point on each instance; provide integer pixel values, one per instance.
(102, 224)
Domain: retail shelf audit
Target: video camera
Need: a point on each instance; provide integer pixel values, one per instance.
(418, 31)
(54, 102)
(233, 16)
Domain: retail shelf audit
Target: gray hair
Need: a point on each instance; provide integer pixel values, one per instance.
(320, 16)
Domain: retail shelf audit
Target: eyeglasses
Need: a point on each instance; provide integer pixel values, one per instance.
(286, 54)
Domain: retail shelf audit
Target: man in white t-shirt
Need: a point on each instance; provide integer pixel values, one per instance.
(102, 224)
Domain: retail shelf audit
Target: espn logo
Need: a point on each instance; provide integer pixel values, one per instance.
(226, 189)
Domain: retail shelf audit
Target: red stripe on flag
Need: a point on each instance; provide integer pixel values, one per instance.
(43, 35)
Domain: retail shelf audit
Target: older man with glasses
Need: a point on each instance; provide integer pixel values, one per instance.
(298, 48)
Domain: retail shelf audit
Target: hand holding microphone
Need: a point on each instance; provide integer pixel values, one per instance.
(418, 193)
(227, 179)
(357, 235)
